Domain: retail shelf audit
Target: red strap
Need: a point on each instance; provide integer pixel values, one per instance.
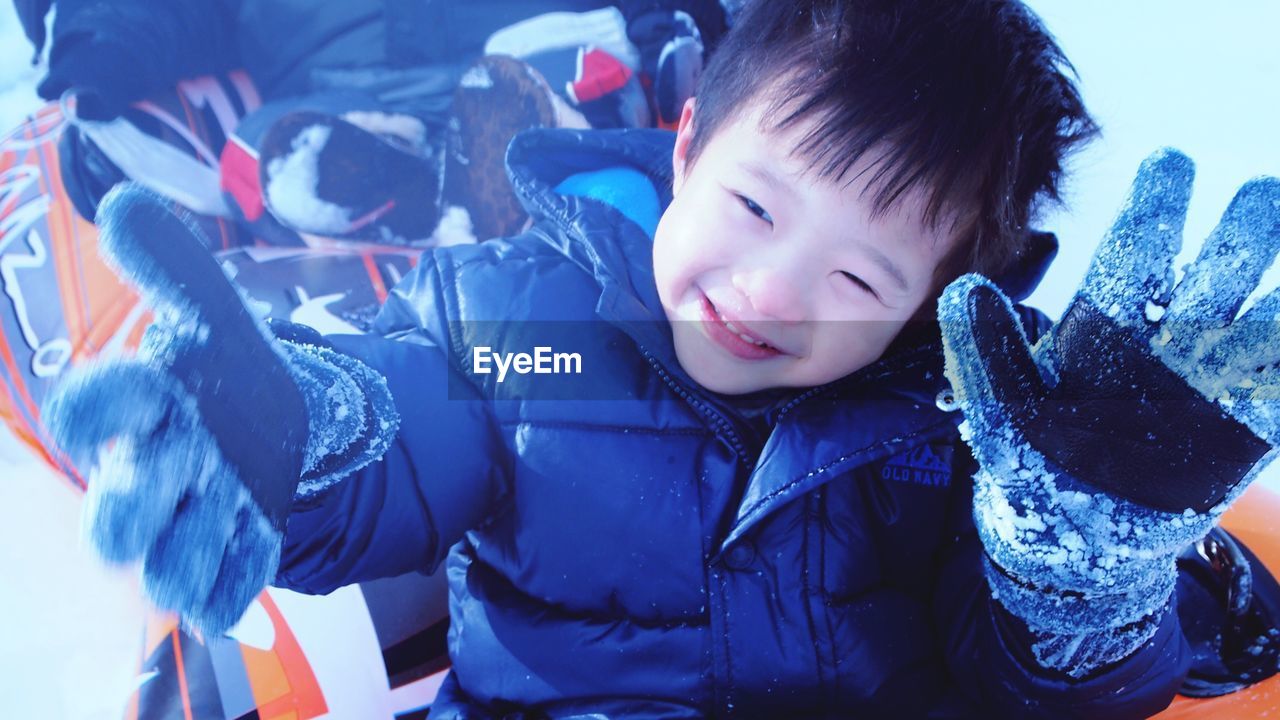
(239, 167)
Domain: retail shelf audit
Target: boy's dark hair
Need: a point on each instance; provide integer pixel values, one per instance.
(973, 100)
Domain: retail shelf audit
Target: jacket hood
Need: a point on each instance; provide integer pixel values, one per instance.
(539, 160)
(593, 235)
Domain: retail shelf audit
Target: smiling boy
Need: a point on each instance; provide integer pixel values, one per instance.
(757, 509)
(774, 278)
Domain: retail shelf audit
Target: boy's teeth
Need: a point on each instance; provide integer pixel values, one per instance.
(741, 334)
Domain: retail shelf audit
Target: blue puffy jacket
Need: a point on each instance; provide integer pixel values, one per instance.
(651, 550)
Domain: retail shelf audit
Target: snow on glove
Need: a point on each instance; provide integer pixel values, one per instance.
(1127, 430)
(197, 447)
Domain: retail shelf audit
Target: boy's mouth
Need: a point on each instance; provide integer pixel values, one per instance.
(737, 340)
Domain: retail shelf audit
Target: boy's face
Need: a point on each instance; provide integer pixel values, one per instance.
(773, 277)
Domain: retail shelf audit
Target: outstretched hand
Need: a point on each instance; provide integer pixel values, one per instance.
(1149, 391)
(197, 447)
(193, 448)
(1123, 434)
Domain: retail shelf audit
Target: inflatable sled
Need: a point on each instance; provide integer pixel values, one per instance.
(378, 649)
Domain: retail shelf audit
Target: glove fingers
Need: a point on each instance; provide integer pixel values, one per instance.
(1250, 343)
(181, 567)
(1231, 263)
(99, 402)
(1247, 365)
(221, 353)
(249, 565)
(1134, 263)
(133, 495)
(988, 360)
(1257, 404)
(136, 227)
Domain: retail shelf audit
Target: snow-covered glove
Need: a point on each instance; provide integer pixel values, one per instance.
(671, 56)
(1127, 430)
(197, 447)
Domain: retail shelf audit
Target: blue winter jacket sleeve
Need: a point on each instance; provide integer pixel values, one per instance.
(988, 652)
(446, 471)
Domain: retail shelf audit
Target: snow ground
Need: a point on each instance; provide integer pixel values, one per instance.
(1155, 72)
(18, 77)
(72, 628)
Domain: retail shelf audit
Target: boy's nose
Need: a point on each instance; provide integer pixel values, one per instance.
(772, 294)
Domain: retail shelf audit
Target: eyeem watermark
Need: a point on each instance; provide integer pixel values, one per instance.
(543, 361)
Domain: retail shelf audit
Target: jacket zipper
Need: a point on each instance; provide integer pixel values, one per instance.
(802, 397)
(721, 425)
(853, 381)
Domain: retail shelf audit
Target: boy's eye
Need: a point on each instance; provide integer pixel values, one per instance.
(859, 282)
(755, 209)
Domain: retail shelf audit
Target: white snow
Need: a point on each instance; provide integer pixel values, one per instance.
(72, 627)
(18, 77)
(1163, 73)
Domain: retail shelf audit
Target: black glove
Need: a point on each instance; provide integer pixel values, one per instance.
(197, 448)
(31, 13)
(105, 75)
(1121, 436)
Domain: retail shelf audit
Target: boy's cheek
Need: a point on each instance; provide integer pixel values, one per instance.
(689, 250)
(861, 343)
(674, 259)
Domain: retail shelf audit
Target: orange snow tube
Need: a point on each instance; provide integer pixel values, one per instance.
(1255, 521)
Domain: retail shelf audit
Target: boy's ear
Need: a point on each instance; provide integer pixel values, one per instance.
(684, 135)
